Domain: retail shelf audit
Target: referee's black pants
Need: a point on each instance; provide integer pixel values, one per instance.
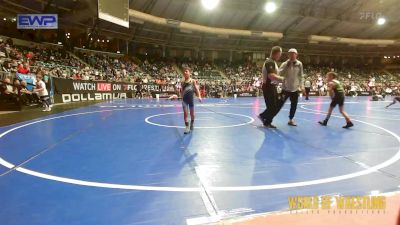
(138, 93)
(272, 102)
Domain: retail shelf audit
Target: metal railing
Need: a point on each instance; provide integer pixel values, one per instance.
(4, 75)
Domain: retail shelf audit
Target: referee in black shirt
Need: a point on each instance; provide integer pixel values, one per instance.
(270, 79)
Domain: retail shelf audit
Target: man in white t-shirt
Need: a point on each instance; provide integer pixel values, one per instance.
(320, 84)
(41, 90)
(371, 82)
(353, 90)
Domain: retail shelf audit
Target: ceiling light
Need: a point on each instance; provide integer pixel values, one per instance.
(381, 21)
(270, 7)
(210, 4)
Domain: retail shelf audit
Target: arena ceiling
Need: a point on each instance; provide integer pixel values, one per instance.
(296, 19)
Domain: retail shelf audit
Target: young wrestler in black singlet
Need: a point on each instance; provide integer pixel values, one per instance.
(189, 89)
(336, 91)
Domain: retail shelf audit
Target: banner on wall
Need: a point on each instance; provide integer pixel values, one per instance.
(29, 78)
(246, 94)
(77, 90)
(37, 21)
(363, 93)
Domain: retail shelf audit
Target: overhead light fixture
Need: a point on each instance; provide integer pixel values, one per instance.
(385, 57)
(256, 33)
(210, 4)
(172, 22)
(108, 41)
(118, 52)
(186, 31)
(134, 20)
(270, 7)
(381, 21)
(4, 19)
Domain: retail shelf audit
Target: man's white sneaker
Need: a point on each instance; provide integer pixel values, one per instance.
(187, 130)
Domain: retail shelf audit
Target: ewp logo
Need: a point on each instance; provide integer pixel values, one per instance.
(37, 21)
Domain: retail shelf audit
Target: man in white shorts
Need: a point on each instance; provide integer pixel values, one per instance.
(41, 90)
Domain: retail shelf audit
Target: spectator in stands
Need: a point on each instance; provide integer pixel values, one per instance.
(320, 85)
(371, 82)
(353, 90)
(23, 68)
(14, 66)
(76, 76)
(26, 97)
(307, 87)
(16, 86)
(2, 49)
(7, 87)
(6, 91)
(85, 76)
(6, 67)
(29, 55)
(388, 90)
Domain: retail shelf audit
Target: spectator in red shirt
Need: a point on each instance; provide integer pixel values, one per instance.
(77, 76)
(23, 68)
(29, 55)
